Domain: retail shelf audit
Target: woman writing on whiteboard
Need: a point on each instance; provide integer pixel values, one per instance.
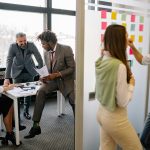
(114, 89)
(143, 60)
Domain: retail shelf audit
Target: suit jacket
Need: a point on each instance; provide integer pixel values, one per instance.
(65, 64)
(16, 61)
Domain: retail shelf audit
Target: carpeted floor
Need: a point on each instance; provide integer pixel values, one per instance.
(57, 132)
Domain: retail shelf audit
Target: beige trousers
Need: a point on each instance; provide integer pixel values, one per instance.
(115, 129)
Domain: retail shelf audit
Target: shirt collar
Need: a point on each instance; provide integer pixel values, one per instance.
(106, 55)
(54, 48)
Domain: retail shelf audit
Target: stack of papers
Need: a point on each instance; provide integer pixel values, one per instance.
(43, 72)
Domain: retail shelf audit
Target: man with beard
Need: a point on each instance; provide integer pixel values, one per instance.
(20, 66)
(59, 60)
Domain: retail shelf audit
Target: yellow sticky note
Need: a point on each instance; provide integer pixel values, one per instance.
(132, 37)
(140, 39)
(124, 24)
(114, 15)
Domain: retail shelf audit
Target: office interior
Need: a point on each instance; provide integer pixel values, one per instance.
(81, 24)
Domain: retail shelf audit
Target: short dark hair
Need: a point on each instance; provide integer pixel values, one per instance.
(48, 36)
(20, 34)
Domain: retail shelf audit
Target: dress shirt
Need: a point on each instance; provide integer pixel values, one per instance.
(124, 91)
(146, 59)
(1, 89)
(52, 55)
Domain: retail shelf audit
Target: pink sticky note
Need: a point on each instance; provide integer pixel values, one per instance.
(103, 14)
(102, 37)
(103, 25)
(141, 27)
(132, 18)
(130, 51)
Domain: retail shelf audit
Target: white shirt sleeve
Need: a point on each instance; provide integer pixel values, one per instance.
(124, 91)
(1, 89)
(146, 59)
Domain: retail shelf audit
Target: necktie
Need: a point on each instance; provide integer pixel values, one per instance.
(52, 59)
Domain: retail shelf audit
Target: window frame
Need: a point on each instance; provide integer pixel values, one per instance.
(47, 11)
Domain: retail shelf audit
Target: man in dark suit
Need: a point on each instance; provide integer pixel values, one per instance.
(59, 60)
(20, 65)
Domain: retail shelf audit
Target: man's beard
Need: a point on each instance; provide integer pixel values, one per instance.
(23, 46)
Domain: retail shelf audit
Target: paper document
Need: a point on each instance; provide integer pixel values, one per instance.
(43, 71)
(15, 90)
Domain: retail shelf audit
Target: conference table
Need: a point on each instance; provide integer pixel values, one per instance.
(21, 90)
(29, 89)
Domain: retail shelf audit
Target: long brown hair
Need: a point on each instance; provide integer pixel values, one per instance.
(115, 42)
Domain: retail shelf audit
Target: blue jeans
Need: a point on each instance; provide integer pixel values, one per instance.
(145, 137)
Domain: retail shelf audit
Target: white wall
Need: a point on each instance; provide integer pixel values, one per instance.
(91, 52)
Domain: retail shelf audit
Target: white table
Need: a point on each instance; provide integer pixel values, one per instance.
(16, 93)
(29, 90)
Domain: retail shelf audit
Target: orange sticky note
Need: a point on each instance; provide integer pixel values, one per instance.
(113, 15)
(132, 37)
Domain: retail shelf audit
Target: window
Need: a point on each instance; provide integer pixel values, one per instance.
(29, 23)
(32, 21)
(63, 4)
(65, 32)
(39, 3)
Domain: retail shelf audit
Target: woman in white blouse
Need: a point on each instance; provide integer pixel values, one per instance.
(6, 109)
(143, 60)
(114, 89)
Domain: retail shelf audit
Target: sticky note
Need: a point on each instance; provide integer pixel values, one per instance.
(132, 37)
(140, 39)
(103, 14)
(131, 63)
(132, 18)
(132, 28)
(123, 17)
(114, 15)
(130, 51)
(102, 37)
(113, 23)
(141, 19)
(124, 24)
(103, 25)
(140, 49)
(141, 26)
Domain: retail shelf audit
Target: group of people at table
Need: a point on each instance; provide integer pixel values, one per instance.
(114, 85)
(20, 68)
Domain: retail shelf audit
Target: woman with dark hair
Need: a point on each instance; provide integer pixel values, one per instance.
(6, 109)
(114, 89)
